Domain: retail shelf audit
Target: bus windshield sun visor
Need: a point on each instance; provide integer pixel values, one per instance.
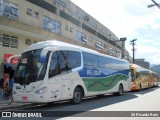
(43, 54)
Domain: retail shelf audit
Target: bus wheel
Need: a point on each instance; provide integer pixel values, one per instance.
(120, 90)
(140, 87)
(77, 96)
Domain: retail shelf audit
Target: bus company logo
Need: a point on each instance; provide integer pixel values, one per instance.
(6, 114)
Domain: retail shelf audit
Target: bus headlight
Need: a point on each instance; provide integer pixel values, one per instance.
(13, 92)
(41, 91)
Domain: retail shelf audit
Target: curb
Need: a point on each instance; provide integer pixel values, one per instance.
(14, 105)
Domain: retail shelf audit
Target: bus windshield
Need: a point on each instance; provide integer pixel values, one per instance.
(29, 68)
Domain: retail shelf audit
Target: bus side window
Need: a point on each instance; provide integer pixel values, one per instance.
(101, 61)
(54, 66)
(137, 74)
(74, 59)
(132, 75)
(90, 60)
(63, 60)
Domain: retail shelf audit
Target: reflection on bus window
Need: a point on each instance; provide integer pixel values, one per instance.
(53, 68)
(132, 75)
(137, 75)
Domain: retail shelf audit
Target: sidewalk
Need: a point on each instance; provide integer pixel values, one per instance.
(5, 106)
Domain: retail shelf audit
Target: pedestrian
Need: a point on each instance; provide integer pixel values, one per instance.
(6, 88)
(11, 81)
(1, 88)
(2, 83)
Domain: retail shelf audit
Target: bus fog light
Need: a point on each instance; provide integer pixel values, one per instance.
(41, 91)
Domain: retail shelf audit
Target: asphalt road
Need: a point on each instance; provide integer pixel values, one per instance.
(137, 103)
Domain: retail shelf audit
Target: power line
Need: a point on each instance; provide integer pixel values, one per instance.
(158, 5)
(144, 3)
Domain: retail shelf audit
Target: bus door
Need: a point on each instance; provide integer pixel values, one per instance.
(67, 85)
(55, 81)
(66, 74)
(133, 75)
(150, 79)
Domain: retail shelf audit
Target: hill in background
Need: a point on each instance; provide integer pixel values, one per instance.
(156, 69)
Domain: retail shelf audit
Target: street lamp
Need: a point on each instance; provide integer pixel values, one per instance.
(155, 4)
(152, 5)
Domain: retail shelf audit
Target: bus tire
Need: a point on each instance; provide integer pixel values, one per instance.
(77, 96)
(120, 90)
(140, 88)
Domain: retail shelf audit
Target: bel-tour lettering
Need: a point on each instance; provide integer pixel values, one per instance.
(93, 72)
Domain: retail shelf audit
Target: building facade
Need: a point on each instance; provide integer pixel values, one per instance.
(25, 22)
(142, 63)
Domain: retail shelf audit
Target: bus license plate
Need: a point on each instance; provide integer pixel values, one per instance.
(24, 98)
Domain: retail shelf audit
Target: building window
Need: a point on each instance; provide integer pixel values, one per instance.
(79, 15)
(51, 25)
(93, 24)
(14, 42)
(60, 2)
(8, 9)
(29, 11)
(111, 51)
(28, 41)
(71, 29)
(104, 33)
(9, 41)
(1, 40)
(67, 27)
(98, 45)
(36, 14)
(90, 39)
(81, 37)
(6, 40)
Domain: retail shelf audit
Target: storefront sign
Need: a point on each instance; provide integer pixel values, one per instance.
(13, 60)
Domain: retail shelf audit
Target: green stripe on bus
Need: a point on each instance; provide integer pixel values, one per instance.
(102, 84)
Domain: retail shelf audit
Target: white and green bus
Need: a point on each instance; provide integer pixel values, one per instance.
(53, 71)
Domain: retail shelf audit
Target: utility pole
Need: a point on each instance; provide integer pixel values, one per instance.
(133, 48)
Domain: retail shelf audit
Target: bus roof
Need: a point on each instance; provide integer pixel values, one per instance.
(139, 68)
(55, 43)
(62, 45)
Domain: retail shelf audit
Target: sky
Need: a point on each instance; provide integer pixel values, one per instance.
(131, 19)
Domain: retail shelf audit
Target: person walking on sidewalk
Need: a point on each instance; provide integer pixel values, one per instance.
(11, 81)
(1, 88)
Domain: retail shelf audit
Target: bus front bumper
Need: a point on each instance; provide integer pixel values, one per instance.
(134, 87)
(30, 98)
